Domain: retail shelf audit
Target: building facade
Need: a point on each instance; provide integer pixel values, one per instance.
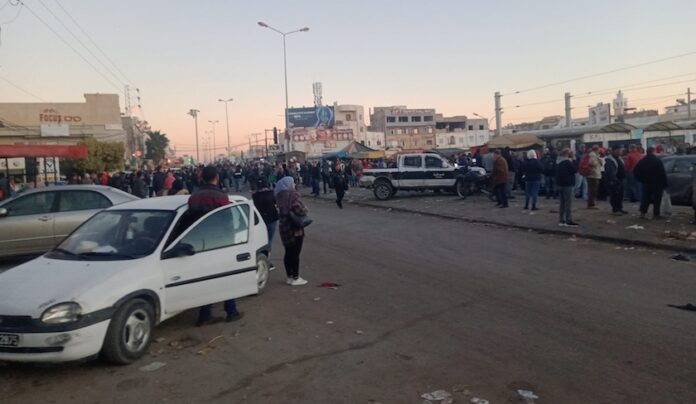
(461, 132)
(351, 117)
(404, 128)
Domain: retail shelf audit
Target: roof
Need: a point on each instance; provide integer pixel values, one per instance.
(173, 202)
(521, 141)
(617, 127)
(662, 126)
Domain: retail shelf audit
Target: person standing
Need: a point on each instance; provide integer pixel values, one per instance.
(315, 175)
(512, 167)
(650, 171)
(632, 185)
(325, 174)
(615, 174)
(499, 179)
(338, 179)
(207, 198)
(288, 200)
(168, 183)
(139, 186)
(158, 181)
(238, 177)
(565, 181)
(265, 202)
(594, 175)
(532, 181)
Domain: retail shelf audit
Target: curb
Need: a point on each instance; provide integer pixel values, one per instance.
(540, 230)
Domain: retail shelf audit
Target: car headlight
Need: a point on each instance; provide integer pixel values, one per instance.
(62, 313)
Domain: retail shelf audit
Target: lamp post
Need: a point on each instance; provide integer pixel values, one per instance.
(194, 114)
(285, 69)
(227, 121)
(214, 145)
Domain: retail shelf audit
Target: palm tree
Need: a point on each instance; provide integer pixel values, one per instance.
(156, 146)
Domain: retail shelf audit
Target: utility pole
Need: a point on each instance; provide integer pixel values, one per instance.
(265, 138)
(568, 118)
(498, 113)
(227, 120)
(214, 145)
(688, 103)
(194, 114)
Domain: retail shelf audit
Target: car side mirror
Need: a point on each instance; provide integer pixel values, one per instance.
(3, 212)
(179, 250)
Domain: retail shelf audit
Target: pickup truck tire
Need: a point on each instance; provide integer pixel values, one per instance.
(462, 189)
(383, 190)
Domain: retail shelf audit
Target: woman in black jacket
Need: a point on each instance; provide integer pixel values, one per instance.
(265, 203)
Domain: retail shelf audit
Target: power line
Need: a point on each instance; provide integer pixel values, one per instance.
(71, 47)
(92, 41)
(602, 73)
(13, 19)
(79, 41)
(21, 89)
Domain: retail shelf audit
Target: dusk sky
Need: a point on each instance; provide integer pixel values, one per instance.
(448, 55)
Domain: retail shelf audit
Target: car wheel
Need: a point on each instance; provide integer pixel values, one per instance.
(262, 272)
(383, 190)
(462, 189)
(130, 332)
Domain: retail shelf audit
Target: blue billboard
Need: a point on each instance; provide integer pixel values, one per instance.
(312, 117)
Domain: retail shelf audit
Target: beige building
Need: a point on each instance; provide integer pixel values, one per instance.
(352, 117)
(404, 128)
(62, 123)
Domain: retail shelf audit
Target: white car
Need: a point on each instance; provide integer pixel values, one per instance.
(128, 268)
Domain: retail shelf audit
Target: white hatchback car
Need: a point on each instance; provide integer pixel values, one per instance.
(129, 267)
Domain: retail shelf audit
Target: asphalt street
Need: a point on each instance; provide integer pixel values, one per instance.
(424, 304)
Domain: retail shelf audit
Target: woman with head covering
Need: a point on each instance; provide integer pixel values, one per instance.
(265, 203)
(532, 179)
(288, 199)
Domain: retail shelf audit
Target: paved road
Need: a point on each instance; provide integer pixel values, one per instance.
(425, 304)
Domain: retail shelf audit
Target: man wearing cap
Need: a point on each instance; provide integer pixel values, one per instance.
(207, 198)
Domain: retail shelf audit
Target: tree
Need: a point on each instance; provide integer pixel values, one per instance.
(156, 146)
(102, 156)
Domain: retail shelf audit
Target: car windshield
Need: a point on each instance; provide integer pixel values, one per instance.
(116, 235)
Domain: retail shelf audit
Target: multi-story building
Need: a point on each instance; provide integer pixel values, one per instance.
(351, 117)
(404, 128)
(461, 132)
(375, 140)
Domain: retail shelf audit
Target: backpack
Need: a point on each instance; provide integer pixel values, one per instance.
(584, 168)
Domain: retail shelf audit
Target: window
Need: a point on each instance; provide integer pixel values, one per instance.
(362, 129)
(413, 161)
(348, 117)
(480, 127)
(32, 204)
(415, 131)
(224, 228)
(415, 143)
(391, 119)
(451, 140)
(403, 119)
(82, 200)
(429, 142)
(398, 131)
(669, 165)
(683, 166)
(428, 118)
(471, 127)
(430, 130)
(415, 119)
(432, 162)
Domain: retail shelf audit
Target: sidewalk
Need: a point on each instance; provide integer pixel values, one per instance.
(674, 233)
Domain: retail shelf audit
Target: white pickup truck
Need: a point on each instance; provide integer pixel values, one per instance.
(413, 172)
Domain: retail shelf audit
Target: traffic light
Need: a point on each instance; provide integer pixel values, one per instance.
(275, 135)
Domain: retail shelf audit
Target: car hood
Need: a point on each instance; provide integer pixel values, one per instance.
(31, 288)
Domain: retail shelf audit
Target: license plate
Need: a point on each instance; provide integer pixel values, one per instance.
(9, 340)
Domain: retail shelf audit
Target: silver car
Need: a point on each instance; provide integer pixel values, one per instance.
(37, 220)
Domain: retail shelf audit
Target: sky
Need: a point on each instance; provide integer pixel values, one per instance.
(444, 54)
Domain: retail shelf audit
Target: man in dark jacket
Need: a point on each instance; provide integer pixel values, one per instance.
(651, 173)
(614, 174)
(158, 181)
(207, 198)
(565, 179)
(139, 186)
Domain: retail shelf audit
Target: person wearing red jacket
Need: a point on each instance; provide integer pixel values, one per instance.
(633, 187)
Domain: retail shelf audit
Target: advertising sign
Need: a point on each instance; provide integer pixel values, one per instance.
(600, 114)
(314, 117)
(321, 135)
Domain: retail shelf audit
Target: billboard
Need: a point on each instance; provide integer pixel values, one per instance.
(313, 117)
(599, 114)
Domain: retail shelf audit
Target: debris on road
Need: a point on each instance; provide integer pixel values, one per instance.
(611, 221)
(438, 395)
(687, 307)
(160, 339)
(680, 257)
(153, 366)
(359, 332)
(477, 400)
(528, 396)
(330, 285)
(636, 227)
(316, 299)
(329, 322)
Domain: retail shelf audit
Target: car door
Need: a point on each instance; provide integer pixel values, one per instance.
(679, 180)
(438, 172)
(223, 265)
(411, 172)
(74, 208)
(27, 228)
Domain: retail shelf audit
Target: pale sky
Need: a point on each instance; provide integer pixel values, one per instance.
(449, 55)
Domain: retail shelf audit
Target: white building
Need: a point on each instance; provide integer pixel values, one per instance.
(351, 117)
(375, 140)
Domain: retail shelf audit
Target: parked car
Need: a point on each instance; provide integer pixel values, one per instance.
(413, 172)
(35, 221)
(128, 268)
(679, 185)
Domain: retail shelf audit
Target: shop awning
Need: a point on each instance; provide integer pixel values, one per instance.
(16, 150)
(522, 141)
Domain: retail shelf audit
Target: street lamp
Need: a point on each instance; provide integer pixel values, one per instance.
(227, 120)
(214, 145)
(194, 114)
(285, 69)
